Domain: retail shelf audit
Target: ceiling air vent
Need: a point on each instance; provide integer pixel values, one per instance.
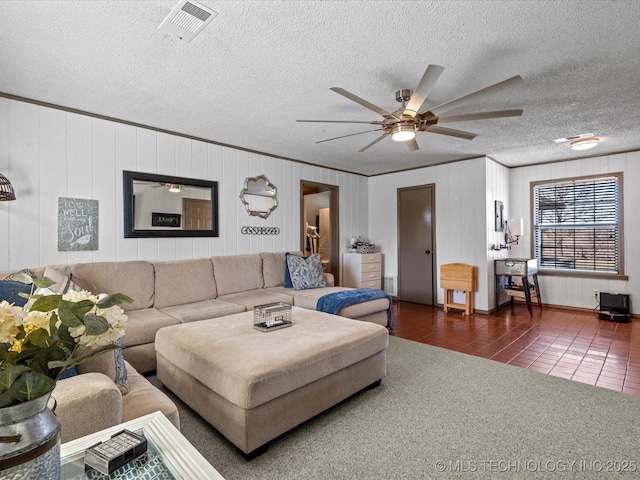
(186, 20)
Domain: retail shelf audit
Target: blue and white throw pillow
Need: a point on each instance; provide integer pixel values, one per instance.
(306, 272)
(10, 291)
(287, 275)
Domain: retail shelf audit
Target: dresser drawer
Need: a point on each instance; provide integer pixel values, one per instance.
(377, 284)
(370, 276)
(370, 258)
(370, 267)
(362, 270)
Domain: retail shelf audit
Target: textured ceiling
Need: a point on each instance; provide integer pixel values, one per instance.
(261, 65)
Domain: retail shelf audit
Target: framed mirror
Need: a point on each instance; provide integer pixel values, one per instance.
(259, 196)
(167, 206)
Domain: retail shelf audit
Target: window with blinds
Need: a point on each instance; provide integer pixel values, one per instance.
(576, 224)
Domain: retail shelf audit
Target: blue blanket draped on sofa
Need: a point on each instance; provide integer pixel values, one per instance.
(334, 302)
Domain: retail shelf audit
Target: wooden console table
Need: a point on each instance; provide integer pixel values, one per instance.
(522, 268)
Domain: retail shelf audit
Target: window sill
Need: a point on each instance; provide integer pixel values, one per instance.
(574, 274)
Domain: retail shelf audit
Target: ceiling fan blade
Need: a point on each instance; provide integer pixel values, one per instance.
(510, 82)
(429, 79)
(342, 121)
(350, 135)
(374, 142)
(362, 102)
(451, 132)
(480, 116)
(413, 145)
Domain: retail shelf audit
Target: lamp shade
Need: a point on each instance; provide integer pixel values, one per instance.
(517, 227)
(6, 189)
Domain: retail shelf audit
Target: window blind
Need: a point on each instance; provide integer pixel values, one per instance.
(576, 224)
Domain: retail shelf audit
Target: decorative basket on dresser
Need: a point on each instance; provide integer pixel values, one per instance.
(362, 270)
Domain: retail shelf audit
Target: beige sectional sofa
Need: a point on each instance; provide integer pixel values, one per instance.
(165, 294)
(170, 293)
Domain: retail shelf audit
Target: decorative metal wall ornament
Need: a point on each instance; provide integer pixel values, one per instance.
(260, 231)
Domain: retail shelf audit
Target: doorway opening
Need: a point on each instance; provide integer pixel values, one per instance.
(320, 225)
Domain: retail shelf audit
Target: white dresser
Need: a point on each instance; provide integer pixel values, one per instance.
(362, 270)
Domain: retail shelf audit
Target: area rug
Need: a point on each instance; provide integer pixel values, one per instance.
(443, 414)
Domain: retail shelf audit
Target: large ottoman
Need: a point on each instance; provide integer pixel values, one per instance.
(252, 386)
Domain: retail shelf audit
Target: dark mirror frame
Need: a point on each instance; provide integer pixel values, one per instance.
(129, 232)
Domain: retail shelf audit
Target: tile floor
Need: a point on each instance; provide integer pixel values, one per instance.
(566, 343)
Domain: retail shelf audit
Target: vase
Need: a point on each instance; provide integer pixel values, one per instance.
(29, 441)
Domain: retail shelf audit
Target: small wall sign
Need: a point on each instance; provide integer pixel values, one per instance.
(165, 220)
(77, 224)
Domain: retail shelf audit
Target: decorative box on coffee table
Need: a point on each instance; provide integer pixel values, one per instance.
(272, 316)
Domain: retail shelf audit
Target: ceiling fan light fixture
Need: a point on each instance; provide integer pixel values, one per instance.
(584, 143)
(403, 133)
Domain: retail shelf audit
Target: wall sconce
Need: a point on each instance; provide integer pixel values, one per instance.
(513, 230)
(6, 189)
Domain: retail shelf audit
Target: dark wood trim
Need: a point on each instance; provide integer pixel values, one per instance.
(578, 274)
(334, 208)
(280, 157)
(169, 132)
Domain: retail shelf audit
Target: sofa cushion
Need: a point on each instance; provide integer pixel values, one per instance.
(273, 266)
(202, 310)
(111, 364)
(133, 278)
(309, 298)
(142, 326)
(184, 281)
(251, 298)
(144, 398)
(237, 273)
(87, 404)
(275, 270)
(306, 272)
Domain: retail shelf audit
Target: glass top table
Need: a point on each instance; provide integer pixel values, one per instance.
(169, 455)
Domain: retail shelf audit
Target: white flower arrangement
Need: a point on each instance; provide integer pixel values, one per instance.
(40, 341)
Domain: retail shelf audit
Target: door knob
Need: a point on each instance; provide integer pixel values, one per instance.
(428, 252)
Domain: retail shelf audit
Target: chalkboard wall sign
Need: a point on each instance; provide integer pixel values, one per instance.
(165, 220)
(77, 224)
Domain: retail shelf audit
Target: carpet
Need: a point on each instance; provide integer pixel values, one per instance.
(443, 414)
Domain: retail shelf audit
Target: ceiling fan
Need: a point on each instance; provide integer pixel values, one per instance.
(403, 123)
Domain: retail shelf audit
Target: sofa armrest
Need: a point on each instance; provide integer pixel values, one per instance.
(86, 404)
(330, 279)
